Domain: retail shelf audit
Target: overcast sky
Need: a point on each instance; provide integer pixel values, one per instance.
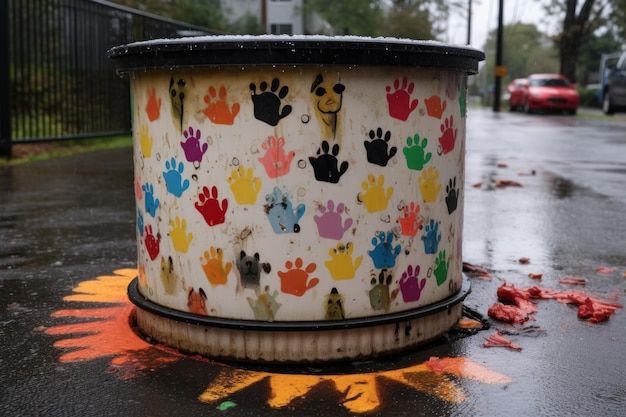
(485, 19)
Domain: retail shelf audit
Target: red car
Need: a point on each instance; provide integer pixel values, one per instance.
(551, 92)
(516, 92)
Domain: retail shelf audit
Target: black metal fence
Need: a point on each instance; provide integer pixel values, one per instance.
(56, 81)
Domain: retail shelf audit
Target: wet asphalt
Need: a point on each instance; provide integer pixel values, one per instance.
(70, 220)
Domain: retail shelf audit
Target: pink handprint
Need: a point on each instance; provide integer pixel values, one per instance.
(410, 223)
(152, 243)
(210, 208)
(448, 135)
(398, 101)
(275, 160)
(331, 224)
(217, 109)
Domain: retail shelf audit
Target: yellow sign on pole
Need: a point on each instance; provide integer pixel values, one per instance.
(500, 71)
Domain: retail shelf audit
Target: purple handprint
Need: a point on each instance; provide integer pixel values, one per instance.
(410, 284)
(193, 151)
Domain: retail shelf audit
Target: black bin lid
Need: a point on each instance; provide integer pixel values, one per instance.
(263, 50)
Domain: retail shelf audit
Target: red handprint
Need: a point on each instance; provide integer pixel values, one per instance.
(275, 160)
(217, 109)
(398, 101)
(210, 208)
(153, 108)
(448, 135)
(152, 243)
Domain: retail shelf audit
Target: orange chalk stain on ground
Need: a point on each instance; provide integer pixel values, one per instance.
(108, 331)
(361, 392)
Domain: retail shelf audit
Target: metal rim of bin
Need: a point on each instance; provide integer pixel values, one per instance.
(142, 302)
(214, 51)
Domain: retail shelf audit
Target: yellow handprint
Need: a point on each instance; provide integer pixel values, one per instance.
(180, 239)
(215, 271)
(429, 185)
(340, 265)
(145, 141)
(375, 198)
(244, 186)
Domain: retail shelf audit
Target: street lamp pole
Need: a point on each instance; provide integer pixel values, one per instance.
(500, 70)
(469, 23)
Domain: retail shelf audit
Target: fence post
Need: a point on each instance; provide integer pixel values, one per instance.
(5, 98)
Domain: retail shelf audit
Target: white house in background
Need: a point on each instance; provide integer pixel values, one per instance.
(278, 16)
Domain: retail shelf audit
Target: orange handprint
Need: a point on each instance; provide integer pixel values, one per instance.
(217, 109)
(215, 271)
(153, 108)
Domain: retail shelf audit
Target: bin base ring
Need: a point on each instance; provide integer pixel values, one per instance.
(296, 342)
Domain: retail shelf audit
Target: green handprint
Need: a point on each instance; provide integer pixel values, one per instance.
(415, 153)
(441, 267)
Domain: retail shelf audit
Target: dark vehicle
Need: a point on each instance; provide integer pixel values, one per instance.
(548, 92)
(613, 84)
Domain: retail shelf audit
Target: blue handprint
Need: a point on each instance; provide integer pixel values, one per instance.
(140, 222)
(281, 214)
(150, 203)
(384, 253)
(173, 179)
(431, 237)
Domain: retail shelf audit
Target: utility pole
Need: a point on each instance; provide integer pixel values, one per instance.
(500, 70)
(469, 23)
(5, 95)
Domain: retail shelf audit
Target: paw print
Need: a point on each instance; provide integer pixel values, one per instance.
(378, 151)
(210, 208)
(267, 103)
(173, 178)
(428, 184)
(326, 166)
(281, 214)
(295, 281)
(410, 223)
(179, 236)
(435, 107)
(374, 196)
(448, 135)
(196, 302)
(334, 306)
(250, 268)
(415, 152)
(177, 97)
(341, 266)
(145, 141)
(452, 196)
(265, 305)
(152, 243)
(217, 109)
(380, 299)
(193, 151)
(153, 107)
(169, 278)
(330, 224)
(275, 160)
(410, 285)
(244, 185)
(431, 237)
(384, 254)
(214, 269)
(441, 267)
(400, 103)
(151, 204)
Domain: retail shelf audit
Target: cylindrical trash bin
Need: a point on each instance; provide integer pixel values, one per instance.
(299, 199)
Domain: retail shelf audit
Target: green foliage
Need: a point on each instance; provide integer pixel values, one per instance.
(588, 97)
(207, 13)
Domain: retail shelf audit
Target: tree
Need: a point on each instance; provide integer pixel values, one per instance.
(579, 22)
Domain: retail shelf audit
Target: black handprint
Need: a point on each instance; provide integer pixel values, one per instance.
(326, 166)
(378, 151)
(453, 195)
(267, 103)
(177, 95)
